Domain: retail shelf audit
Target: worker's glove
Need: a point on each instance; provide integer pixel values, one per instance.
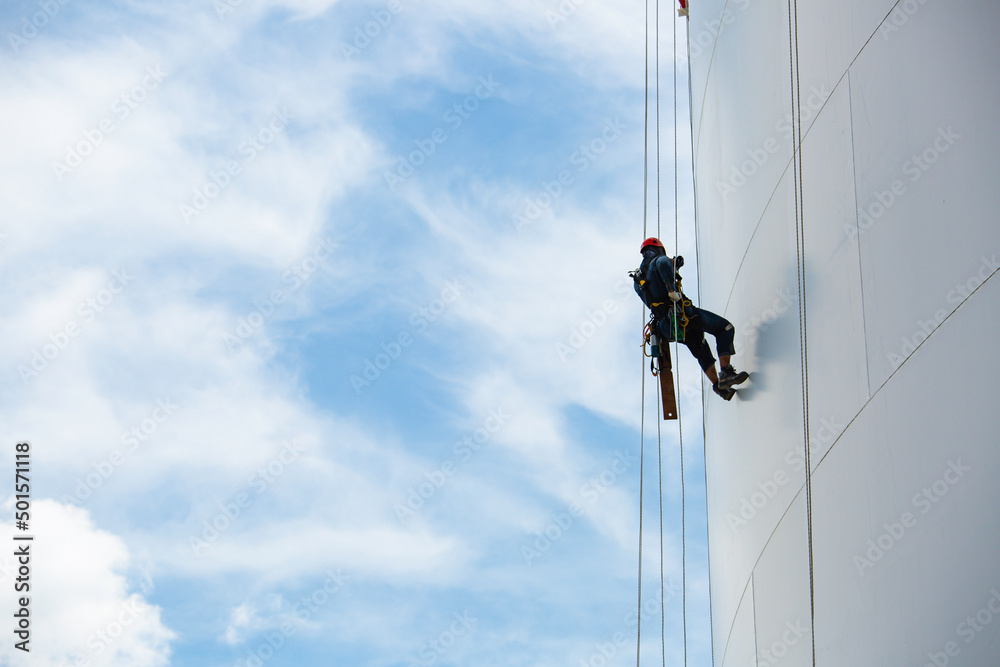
(674, 296)
(678, 262)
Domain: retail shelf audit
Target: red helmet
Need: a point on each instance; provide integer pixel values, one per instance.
(651, 241)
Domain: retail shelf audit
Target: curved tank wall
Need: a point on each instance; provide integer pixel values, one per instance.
(900, 155)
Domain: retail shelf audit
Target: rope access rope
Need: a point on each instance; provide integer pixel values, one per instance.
(659, 449)
(642, 418)
(697, 256)
(657, 118)
(642, 452)
(659, 440)
(680, 422)
(645, 137)
(659, 437)
(793, 46)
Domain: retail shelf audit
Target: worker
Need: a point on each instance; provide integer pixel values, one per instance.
(659, 286)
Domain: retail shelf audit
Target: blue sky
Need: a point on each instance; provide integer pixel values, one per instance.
(221, 309)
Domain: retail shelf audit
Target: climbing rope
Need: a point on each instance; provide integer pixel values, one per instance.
(657, 118)
(697, 256)
(645, 135)
(659, 434)
(659, 462)
(659, 441)
(680, 419)
(642, 452)
(659, 437)
(800, 246)
(642, 418)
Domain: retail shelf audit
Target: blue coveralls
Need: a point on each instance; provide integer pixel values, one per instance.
(658, 272)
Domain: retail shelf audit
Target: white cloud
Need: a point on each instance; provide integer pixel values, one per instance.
(81, 605)
(122, 195)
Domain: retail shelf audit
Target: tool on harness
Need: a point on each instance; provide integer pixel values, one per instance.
(677, 321)
(654, 345)
(651, 338)
(671, 320)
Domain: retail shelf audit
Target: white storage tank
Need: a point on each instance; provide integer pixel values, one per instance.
(900, 216)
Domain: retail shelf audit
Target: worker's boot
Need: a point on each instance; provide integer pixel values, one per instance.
(726, 393)
(729, 377)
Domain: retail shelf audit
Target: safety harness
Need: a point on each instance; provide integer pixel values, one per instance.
(673, 313)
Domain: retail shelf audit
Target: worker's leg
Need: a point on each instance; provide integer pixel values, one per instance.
(694, 339)
(722, 329)
(724, 333)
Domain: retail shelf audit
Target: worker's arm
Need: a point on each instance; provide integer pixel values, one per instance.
(665, 267)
